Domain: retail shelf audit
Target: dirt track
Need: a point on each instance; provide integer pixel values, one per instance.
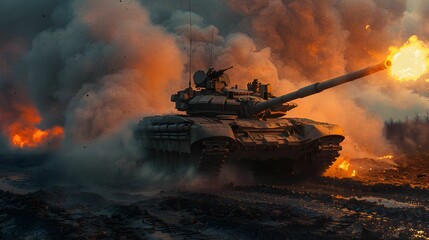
(325, 208)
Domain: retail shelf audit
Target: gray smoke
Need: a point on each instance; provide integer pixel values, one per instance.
(93, 67)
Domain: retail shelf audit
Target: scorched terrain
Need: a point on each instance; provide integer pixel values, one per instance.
(390, 203)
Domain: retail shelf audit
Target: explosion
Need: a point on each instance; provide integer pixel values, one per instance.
(23, 132)
(410, 61)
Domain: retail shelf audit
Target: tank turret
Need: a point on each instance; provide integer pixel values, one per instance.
(212, 96)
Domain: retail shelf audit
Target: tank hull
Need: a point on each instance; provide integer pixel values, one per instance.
(307, 147)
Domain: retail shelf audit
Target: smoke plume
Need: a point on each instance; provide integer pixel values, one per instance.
(93, 67)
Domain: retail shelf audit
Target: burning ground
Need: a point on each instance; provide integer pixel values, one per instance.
(76, 75)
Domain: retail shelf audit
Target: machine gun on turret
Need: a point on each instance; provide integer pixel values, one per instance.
(212, 80)
(212, 73)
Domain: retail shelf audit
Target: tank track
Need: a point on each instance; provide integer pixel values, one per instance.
(323, 155)
(214, 153)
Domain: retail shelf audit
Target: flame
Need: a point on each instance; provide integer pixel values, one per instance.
(344, 165)
(33, 137)
(342, 168)
(23, 132)
(410, 61)
(386, 157)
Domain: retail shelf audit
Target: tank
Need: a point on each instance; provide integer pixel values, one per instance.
(245, 127)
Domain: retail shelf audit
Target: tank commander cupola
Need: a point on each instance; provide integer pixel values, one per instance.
(212, 80)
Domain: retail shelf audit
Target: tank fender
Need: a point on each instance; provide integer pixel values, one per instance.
(317, 131)
(202, 131)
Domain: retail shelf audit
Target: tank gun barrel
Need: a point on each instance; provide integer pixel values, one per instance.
(320, 86)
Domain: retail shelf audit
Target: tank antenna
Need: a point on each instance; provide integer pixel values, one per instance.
(190, 43)
(211, 48)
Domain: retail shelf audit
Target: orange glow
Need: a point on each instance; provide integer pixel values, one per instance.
(410, 61)
(386, 157)
(344, 165)
(341, 168)
(23, 133)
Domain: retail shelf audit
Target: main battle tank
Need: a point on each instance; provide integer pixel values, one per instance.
(244, 126)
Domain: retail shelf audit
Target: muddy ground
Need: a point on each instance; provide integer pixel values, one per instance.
(381, 203)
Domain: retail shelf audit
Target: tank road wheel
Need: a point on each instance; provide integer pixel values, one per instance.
(211, 155)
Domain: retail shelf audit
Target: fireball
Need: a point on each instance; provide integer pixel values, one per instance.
(410, 61)
(23, 132)
(33, 137)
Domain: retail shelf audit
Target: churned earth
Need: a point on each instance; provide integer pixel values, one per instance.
(390, 203)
